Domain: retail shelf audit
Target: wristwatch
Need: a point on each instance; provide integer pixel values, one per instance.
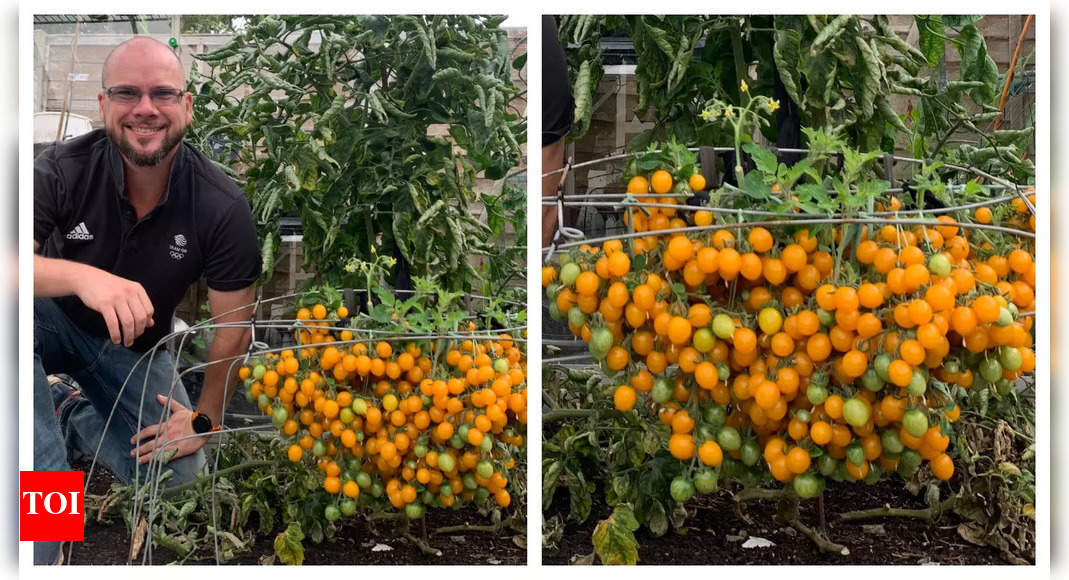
(202, 423)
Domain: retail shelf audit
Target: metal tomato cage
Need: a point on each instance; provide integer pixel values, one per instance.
(567, 237)
(148, 492)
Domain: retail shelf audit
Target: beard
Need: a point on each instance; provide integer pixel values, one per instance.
(171, 139)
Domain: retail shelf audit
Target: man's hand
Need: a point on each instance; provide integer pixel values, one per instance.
(161, 438)
(123, 304)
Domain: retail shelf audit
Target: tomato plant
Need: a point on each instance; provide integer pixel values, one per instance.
(829, 348)
(335, 119)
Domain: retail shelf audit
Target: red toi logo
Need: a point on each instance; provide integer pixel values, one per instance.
(51, 506)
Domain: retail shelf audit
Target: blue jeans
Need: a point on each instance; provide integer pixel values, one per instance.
(100, 368)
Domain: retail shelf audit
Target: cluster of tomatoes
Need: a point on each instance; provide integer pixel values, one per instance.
(766, 353)
(425, 424)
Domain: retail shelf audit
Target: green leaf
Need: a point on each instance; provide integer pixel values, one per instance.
(754, 186)
(867, 78)
(764, 159)
(870, 190)
(931, 41)
(583, 98)
(977, 65)
(551, 470)
(658, 519)
(830, 32)
(614, 538)
(815, 194)
(785, 52)
(288, 545)
(960, 20)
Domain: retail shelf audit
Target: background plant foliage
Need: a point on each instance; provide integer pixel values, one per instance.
(839, 71)
(327, 118)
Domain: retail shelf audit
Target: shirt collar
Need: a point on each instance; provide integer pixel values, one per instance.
(116, 166)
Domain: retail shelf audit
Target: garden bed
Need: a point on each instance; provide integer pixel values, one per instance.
(353, 544)
(715, 535)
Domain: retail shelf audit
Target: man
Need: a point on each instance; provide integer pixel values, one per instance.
(558, 110)
(125, 219)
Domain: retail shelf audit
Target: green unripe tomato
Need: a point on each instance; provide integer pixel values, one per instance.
(990, 370)
(816, 394)
(891, 442)
(414, 511)
(855, 453)
(750, 453)
(1005, 318)
(359, 406)
(918, 385)
(600, 342)
(807, 485)
(715, 415)
(908, 463)
(363, 480)
(880, 364)
(347, 507)
(446, 462)
(278, 418)
(871, 380)
(331, 513)
(662, 389)
(729, 439)
(704, 340)
(681, 489)
(939, 265)
(319, 448)
(258, 371)
(470, 483)
(705, 481)
(569, 272)
(485, 468)
(915, 422)
(346, 415)
(723, 326)
(1003, 386)
(827, 465)
(576, 317)
(554, 310)
(1010, 358)
(855, 412)
(723, 371)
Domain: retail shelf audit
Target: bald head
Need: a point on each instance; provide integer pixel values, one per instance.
(144, 50)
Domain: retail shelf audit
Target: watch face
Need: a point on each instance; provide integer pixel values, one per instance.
(202, 424)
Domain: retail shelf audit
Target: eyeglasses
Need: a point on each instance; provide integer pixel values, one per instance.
(160, 96)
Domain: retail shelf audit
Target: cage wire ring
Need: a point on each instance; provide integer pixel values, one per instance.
(148, 491)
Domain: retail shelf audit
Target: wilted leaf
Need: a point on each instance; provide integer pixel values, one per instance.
(614, 538)
(288, 545)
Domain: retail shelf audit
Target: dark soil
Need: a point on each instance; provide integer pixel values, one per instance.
(714, 535)
(352, 544)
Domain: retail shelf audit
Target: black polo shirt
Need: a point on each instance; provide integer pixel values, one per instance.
(202, 227)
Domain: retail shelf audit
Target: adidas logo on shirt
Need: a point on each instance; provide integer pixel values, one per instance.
(80, 232)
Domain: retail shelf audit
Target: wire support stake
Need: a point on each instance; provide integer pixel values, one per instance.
(563, 231)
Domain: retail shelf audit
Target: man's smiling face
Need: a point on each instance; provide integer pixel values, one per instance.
(146, 131)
